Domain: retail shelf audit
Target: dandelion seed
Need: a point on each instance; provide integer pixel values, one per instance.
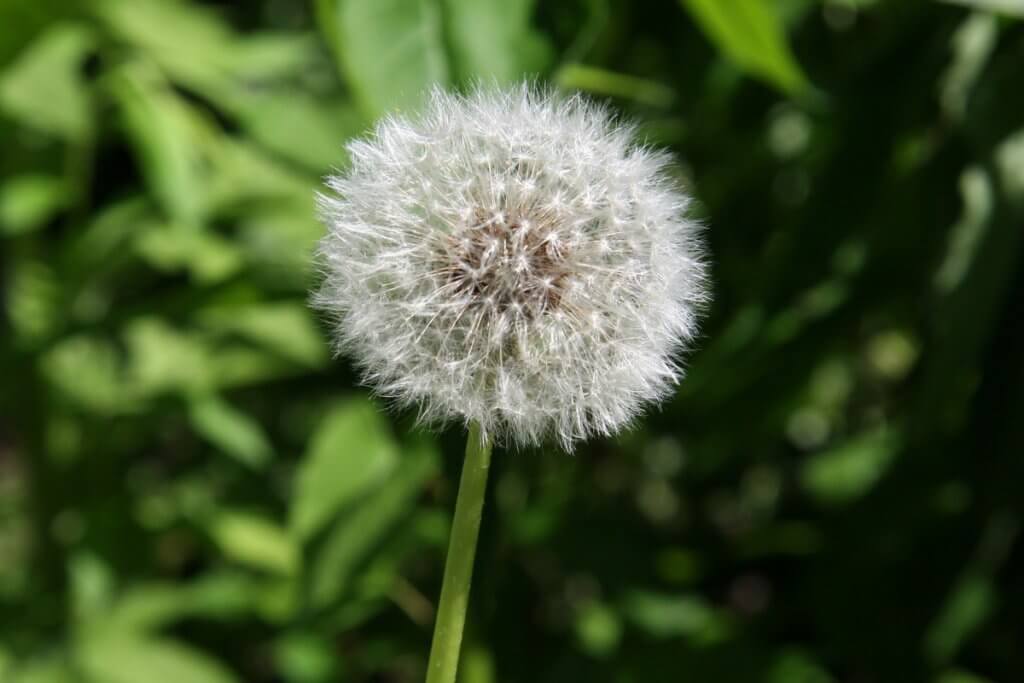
(515, 259)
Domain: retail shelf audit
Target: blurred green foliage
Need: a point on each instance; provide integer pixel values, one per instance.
(191, 491)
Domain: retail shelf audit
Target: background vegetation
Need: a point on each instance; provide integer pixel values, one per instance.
(192, 491)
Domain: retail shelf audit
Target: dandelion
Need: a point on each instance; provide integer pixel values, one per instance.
(514, 260)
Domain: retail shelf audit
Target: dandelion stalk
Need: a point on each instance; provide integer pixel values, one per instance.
(458, 568)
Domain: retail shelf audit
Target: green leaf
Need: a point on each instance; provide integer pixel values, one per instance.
(492, 40)
(390, 51)
(45, 88)
(51, 670)
(849, 470)
(163, 132)
(164, 359)
(750, 34)
(1012, 8)
(795, 666)
(255, 541)
(297, 126)
(125, 658)
(231, 430)
(198, 49)
(609, 83)
(599, 629)
(354, 536)
(27, 202)
(151, 606)
(287, 328)
(670, 616)
(970, 603)
(207, 256)
(34, 300)
(351, 452)
(86, 370)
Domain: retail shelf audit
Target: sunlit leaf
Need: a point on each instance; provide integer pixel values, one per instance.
(794, 665)
(356, 534)
(493, 39)
(850, 469)
(611, 84)
(750, 34)
(126, 658)
(46, 89)
(87, 371)
(350, 453)
(966, 609)
(668, 616)
(1013, 8)
(599, 629)
(230, 429)
(288, 328)
(255, 541)
(28, 201)
(164, 359)
(163, 133)
(206, 255)
(390, 51)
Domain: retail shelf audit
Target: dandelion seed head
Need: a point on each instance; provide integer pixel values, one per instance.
(514, 258)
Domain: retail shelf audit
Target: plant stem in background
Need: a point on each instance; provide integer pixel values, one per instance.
(458, 569)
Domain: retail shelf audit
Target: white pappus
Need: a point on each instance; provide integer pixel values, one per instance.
(512, 257)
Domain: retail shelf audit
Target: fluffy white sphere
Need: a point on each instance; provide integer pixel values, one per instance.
(514, 258)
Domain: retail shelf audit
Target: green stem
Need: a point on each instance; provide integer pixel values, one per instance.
(458, 568)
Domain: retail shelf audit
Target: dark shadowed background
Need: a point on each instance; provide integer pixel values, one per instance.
(193, 491)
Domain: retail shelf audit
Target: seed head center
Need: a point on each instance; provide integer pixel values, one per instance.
(508, 261)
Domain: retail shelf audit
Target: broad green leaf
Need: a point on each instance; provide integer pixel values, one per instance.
(390, 51)
(306, 658)
(1013, 8)
(354, 536)
(351, 452)
(33, 300)
(189, 41)
(231, 430)
(198, 49)
(849, 470)
(296, 126)
(45, 88)
(97, 245)
(670, 616)
(599, 629)
(164, 359)
(28, 201)
(970, 603)
(245, 179)
(1009, 158)
(287, 328)
(279, 244)
(87, 371)
(207, 256)
(125, 658)
(967, 235)
(163, 132)
(50, 670)
(609, 83)
(255, 541)
(492, 40)
(750, 33)
(795, 666)
(973, 44)
(149, 607)
(92, 586)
